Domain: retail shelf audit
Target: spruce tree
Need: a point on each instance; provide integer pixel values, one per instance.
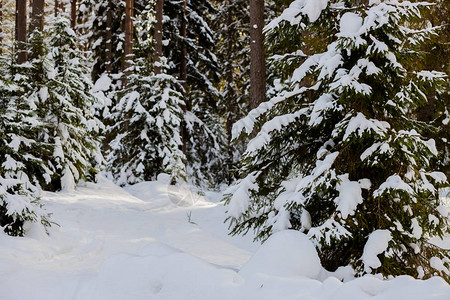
(63, 90)
(232, 22)
(101, 22)
(339, 155)
(22, 171)
(147, 128)
(205, 137)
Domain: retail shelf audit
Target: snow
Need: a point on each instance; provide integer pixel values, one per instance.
(376, 244)
(436, 263)
(137, 243)
(350, 23)
(360, 124)
(240, 200)
(394, 182)
(350, 195)
(102, 84)
(293, 14)
(285, 253)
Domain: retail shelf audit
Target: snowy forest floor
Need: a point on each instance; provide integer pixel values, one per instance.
(154, 241)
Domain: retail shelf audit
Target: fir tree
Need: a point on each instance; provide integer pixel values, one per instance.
(66, 106)
(339, 156)
(205, 138)
(21, 170)
(147, 128)
(233, 53)
(101, 22)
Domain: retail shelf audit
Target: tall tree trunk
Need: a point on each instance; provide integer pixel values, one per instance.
(1, 24)
(183, 74)
(257, 56)
(37, 16)
(73, 13)
(183, 50)
(37, 25)
(230, 97)
(56, 7)
(157, 35)
(108, 50)
(21, 30)
(128, 47)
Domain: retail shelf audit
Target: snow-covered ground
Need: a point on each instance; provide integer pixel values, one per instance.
(154, 241)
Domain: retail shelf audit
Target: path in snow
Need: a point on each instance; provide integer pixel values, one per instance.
(153, 241)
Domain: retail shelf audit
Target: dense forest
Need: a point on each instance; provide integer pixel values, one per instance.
(328, 117)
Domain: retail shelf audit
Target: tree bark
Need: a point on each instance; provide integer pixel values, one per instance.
(230, 97)
(183, 75)
(37, 16)
(1, 24)
(108, 50)
(73, 13)
(56, 7)
(128, 46)
(157, 35)
(21, 30)
(257, 56)
(183, 50)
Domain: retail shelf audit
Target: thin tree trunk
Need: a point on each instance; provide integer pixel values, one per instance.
(21, 30)
(37, 16)
(108, 50)
(1, 24)
(128, 38)
(257, 56)
(36, 25)
(230, 99)
(157, 35)
(183, 75)
(73, 13)
(183, 50)
(56, 7)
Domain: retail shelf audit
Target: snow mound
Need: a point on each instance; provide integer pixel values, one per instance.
(350, 23)
(285, 253)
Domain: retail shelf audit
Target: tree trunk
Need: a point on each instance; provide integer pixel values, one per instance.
(183, 61)
(157, 35)
(56, 7)
(128, 47)
(108, 50)
(73, 13)
(230, 97)
(257, 56)
(183, 75)
(37, 16)
(1, 25)
(21, 30)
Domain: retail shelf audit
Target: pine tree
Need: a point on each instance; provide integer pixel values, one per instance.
(339, 155)
(233, 53)
(66, 105)
(101, 22)
(147, 128)
(434, 111)
(205, 137)
(21, 170)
